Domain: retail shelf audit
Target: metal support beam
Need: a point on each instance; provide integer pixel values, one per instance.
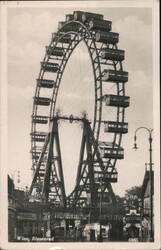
(39, 164)
(53, 173)
(60, 168)
(85, 174)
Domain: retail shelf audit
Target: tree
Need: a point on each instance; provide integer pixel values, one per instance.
(134, 192)
(133, 197)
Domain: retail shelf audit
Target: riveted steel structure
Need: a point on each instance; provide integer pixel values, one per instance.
(98, 164)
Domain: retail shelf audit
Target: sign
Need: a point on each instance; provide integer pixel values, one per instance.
(63, 215)
(26, 216)
(112, 217)
(133, 219)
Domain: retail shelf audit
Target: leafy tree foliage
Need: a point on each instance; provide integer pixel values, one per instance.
(134, 192)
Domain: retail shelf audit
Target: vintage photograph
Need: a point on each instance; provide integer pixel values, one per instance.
(82, 124)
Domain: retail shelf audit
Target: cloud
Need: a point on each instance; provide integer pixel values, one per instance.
(136, 38)
(140, 89)
(28, 35)
(37, 26)
(25, 54)
(16, 93)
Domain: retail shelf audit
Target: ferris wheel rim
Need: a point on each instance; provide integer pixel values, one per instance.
(117, 137)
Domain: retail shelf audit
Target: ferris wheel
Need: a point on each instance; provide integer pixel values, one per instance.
(110, 102)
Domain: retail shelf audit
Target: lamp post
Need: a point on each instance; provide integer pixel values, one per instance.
(150, 174)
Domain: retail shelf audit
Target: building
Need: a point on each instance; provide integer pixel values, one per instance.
(12, 228)
(25, 219)
(147, 207)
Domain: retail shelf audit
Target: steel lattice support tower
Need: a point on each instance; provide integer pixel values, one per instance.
(50, 179)
(90, 164)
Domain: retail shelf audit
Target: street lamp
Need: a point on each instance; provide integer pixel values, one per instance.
(150, 172)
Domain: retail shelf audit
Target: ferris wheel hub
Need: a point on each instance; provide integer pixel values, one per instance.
(71, 118)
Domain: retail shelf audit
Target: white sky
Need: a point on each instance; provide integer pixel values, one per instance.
(28, 32)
